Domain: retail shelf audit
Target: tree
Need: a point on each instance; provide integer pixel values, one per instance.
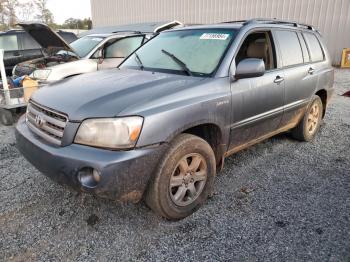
(73, 23)
(2, 14)
(25, 11)
(11, 6)
(45, 14)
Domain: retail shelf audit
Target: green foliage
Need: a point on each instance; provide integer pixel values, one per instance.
(73, 23)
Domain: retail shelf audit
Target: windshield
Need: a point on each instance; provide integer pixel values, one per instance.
(84, 45)
(192, 52)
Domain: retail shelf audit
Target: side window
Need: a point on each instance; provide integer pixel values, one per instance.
(123, 47)
(314, 47)
(9, 42)
(258, 45)
(304, 48)
(29, 42)
(289, 47)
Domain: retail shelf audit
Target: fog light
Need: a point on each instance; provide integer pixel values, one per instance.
(89, 177)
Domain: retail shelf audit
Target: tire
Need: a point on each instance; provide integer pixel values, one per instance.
(308, 127)
(6, 117)
(165, 194)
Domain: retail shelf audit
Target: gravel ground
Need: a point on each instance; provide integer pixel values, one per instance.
(279, 200)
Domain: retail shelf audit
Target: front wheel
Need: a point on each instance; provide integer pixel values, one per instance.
(311, 122)
(184, 178)
(6, 117)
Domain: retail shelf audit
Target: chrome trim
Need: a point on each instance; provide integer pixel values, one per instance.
(46, 122)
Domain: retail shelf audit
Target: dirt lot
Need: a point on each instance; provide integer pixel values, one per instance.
(279, 200)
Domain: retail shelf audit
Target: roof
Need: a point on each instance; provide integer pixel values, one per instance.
(150, 27)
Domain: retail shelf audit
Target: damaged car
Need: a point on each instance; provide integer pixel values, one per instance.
(19, 47)
(160, 126)
(87, 54)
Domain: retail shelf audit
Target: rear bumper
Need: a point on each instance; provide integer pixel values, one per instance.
(124, 174)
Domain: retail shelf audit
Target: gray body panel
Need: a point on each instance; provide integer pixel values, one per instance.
(244, 110)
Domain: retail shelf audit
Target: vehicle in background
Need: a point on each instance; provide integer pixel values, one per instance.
(19, 46)
(160, 126)
(95, 51)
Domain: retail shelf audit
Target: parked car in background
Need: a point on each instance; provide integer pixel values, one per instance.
(89, 53)
(162, 124)
(19, 46)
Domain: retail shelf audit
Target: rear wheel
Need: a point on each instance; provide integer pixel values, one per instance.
(6, 117)
(184, 178)
(311, 122)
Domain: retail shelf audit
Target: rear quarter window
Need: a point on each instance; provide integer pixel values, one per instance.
(289, 47)
(314, 47)
(8, 42)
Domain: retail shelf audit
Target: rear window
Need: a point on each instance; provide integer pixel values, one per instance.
(8, 42)
(314, 47)
(290, 48)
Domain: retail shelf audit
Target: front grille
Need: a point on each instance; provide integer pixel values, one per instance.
(46, 123)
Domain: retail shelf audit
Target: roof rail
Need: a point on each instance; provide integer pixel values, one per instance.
(127, 31)
(273, 21)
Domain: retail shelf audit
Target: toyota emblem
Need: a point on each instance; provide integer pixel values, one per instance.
(39, 121)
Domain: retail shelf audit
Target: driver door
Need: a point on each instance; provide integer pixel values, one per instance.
(257, 102)
(115, 51)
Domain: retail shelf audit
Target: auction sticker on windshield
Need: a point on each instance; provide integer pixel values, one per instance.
(214, 36)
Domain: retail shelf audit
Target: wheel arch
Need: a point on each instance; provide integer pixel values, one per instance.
(322, 93)
(212, 134)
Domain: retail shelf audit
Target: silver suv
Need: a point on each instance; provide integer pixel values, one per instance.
(161, 125)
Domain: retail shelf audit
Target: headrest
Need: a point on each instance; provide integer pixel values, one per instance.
(257, 50)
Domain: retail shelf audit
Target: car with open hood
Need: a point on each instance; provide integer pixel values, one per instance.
(19, 46)
(95, 51)
(160, 126)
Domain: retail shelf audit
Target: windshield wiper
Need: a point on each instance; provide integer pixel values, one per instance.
(139, 61)
(179, 62)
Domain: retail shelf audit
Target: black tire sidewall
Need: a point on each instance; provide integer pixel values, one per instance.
(6, 117)
(307, 135)
(193, 145)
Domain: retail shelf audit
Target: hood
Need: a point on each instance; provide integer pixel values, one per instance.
(110, 93)
(45, 36)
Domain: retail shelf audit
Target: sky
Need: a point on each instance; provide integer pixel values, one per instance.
(64, 9)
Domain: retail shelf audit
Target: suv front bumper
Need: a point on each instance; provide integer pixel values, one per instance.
(124, 175)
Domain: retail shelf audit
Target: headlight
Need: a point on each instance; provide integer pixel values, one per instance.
(41, 74)
(113, 133)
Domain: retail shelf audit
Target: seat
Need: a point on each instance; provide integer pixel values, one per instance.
(259, 49)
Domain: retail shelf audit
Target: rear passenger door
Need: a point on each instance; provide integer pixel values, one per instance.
(300, 80)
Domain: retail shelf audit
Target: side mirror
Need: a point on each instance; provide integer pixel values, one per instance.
(250, 67)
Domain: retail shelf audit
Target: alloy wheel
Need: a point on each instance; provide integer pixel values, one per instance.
(188, 179)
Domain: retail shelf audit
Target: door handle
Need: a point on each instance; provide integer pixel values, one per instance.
(278, 80)
(311, 71)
